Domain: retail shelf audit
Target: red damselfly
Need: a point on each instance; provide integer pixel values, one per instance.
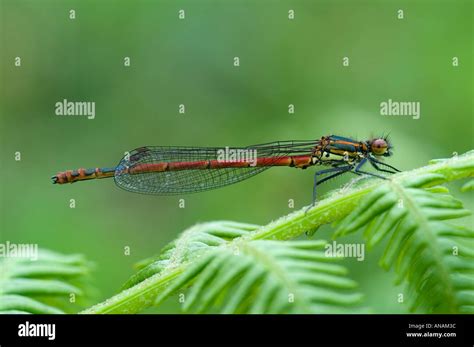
(179, 170)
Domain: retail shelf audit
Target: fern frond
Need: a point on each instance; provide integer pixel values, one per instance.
(468, 186)
(188, 246)
(147, 286)
(267, 277)
(44, 285)
(425, 250)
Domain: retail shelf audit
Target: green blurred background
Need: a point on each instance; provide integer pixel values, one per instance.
(190, 62)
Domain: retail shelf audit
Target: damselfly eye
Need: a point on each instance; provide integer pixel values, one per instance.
(379, 146)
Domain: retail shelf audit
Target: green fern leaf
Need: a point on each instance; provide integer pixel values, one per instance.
(430, 254)
(267, 277)
(42, 286)
(468, 186)
(189, 245)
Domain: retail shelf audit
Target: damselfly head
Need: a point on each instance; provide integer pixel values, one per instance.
(380, 147)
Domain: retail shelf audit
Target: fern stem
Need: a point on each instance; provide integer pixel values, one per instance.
(138, 297)
(329, 210)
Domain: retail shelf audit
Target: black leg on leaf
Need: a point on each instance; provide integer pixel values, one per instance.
(358, 170)
(335, 171)
(374, 161)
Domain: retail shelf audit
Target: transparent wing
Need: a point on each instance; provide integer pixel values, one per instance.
(197, 180)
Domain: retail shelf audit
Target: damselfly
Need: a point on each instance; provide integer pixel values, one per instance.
(178, 170)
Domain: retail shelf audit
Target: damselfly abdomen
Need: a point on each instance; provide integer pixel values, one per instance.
(179, 170)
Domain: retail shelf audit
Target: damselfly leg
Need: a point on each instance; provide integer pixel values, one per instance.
(358, 170)
(355, 169)
(374, 163)
(334, 172)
